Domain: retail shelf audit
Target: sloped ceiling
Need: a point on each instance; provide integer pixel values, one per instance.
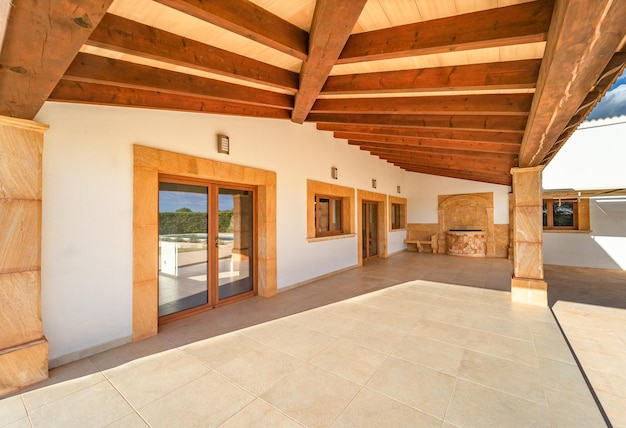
(464, 89)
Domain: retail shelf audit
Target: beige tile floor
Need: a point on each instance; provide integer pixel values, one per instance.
(414, 340)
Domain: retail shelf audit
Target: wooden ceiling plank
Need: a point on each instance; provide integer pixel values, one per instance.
(130, 37)
(455, 172)
(512, 149)
(96, 69)
(248, 20)
(500, 104)
(333, 21)
(93, 93)
(582, 40)
(499, 75)
(523, 23)
(508, 138)
(460, 122)
(42, 39)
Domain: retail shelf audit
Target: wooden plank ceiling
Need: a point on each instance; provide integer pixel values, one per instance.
(464, 89)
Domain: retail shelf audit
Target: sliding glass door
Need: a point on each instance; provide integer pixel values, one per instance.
(206, 245)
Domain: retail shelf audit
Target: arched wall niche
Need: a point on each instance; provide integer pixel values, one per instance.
(467, 212)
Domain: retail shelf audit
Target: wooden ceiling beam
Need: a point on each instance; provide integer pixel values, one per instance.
(474, 146)
(93, 93)
(42, 38)
(503, 179)
(130, 37)
(245, 18)
(333, 21)
(488, 123)
(505, 105)
(582, 40)
(612, 71)
(523, 23)
(96, 69)
(497, 75)
(426, 133)
(420, 150)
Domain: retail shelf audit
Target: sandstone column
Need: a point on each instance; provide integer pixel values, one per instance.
(23, 349)
(527, 284)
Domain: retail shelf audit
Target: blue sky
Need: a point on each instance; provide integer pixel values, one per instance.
(196, 202)
(613, 103)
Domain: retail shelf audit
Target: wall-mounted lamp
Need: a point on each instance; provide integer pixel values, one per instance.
(398, 188)
(223, 144)
(374, 183)
(334, 172)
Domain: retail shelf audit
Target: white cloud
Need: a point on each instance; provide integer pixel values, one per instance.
(613, 104)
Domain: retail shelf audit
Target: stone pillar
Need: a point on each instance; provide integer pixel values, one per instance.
(527, 284)
(23, 349)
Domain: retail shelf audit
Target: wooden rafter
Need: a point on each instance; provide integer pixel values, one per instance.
(248, 20)
(432, 161)
(421, 150)
(425, 133)
(332, 24)
(34, 61)
(393, 141)
(506, 104)
(498, 75)
(504, 179)
(460, 122)
(130, 37)
(582, 40)
(93, 93)
(96, 69)
(524, 23)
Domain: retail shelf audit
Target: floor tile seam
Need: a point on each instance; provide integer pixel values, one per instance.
(508, 393)
(277, 349)
(28, 411)
(534, 366)
(601, 387)
(452, 391)
(258, 395)
(424, 366)
(403, 403)
(494, 388)
(269, 404)
(135, 409)
(361, 387)
(531, 341)
(30, 421)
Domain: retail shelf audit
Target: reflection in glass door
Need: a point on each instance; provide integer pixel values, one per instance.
(369, 229)
(234, 242)
(183, 247)
(206, 245)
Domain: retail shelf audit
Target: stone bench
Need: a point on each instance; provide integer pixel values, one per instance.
(421, 245)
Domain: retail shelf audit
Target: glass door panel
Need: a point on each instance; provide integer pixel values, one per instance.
(372, 236)
(183, 261)
(235, 240)
(369, 232)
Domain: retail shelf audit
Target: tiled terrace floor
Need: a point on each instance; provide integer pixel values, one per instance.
(399, 342)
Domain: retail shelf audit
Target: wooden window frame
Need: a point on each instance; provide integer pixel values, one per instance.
(550, 219)
(327, 190)
(402, 204)
(331, 219)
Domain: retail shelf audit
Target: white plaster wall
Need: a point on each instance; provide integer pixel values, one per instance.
(593, 158)
(424, 190)
(604, 247)
(87, 204)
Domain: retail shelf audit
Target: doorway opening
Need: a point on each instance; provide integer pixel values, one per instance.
(369, 230)
(206, 245)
